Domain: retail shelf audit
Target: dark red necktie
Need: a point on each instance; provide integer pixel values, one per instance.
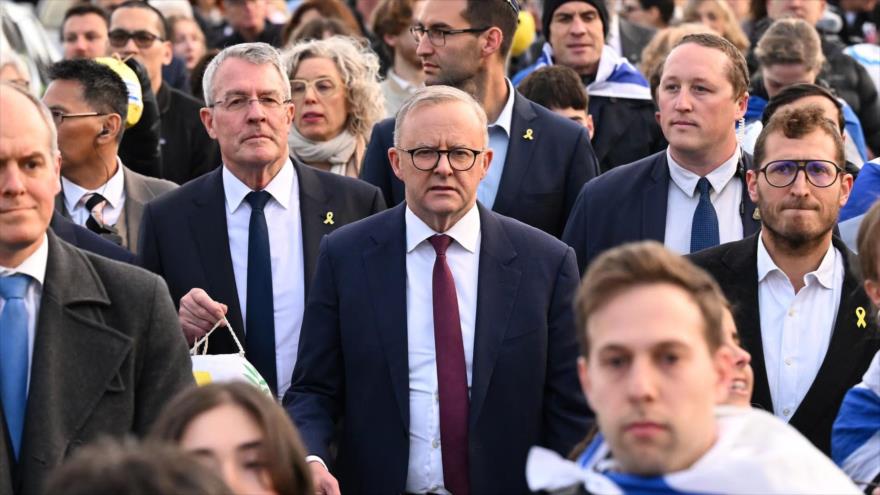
(451, 374)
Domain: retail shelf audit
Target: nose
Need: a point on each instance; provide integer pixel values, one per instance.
(682, 101)
(424, 46)
(443, 166)
(743, 358)
(311, 94)
(255, 111)
(229, 471)
(800, 187)
(640, 383)
(578, 26)
(11, 180)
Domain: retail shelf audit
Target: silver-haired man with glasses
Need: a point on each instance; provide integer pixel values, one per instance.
(242, 240)
(799, 308)
(445, 349)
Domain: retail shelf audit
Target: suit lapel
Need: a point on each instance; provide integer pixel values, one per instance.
(741, 286)
(498, 282)
(519, 154)
(314, 205)
(654, 199)
(751, 225)
(69, 331)
(839, 360)
(385, 267)
(208, 223)
(59, 205)
(128, 225)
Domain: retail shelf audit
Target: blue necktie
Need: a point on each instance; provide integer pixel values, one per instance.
(704, 229)
(260, 325)
(14, 355)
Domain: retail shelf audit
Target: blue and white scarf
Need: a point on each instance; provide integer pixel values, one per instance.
(855, 438)
(615, 78)
(755, 452)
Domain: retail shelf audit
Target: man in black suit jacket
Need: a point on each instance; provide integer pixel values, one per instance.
(799, 307)
(702, 93)
(542, 159)
(199, 238)
(452, 401)
(84, 238)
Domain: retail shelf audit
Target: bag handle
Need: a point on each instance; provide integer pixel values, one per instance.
(204, 340)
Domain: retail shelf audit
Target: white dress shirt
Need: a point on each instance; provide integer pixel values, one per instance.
(796, 328)
(499, 140)
(425, 470)
(285, 247)
(726, 197)
(35, 267)
(113, 190)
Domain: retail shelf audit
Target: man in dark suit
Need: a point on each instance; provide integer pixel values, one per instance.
(84, 238)
(452, 401)
(89, 102)
(220, 248)
(799, 308)
(88, 346)
(541, 159)
(692, 195)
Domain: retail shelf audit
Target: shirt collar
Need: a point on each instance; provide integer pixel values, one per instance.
(112, 190)
(824, 274)
(34, 265)
(687, 180)
(280, 187)
(505, 118)
(465, 232)
(403, 83)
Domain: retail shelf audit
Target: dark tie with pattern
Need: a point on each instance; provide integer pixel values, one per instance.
(95, 205)
(260, 321)
(451, 373)
(704, 229)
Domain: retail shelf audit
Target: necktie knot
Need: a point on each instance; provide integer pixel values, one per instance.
(13, 287)
(94, 200)
(441, 243)
(258, 199)
(704, 187)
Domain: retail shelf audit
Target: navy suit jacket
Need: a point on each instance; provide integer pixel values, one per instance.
(542, 175)
(84, 238)
(628, 204)
(184, 237)
(353, 360)
(735, 267)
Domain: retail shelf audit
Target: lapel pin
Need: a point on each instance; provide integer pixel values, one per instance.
(860, 314)
(756, 215)
(530, 134)
(328, 219)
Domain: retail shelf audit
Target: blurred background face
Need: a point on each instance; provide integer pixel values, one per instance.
(651, 379)
(808, 10)
(245, 15)
(576, 36)
(711, 16)
(320, 117)
(76, 136)
(743, 377)
(189, 42)
(85, 36)
(780, 76)
(229, 441)
(153, 56)
(10, 73)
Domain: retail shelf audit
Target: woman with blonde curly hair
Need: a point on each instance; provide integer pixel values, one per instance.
(718, 15)
(335, 88)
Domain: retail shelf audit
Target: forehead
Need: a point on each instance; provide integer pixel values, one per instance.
(450, 121)
(241, 76)
(645, 316)
(85, 22)
(816, 145)
(574, 8)
(692, 61)
(135, 19)
(23, 131)
(232, 419)
(440, 12)
(61, 91)
(317, 67)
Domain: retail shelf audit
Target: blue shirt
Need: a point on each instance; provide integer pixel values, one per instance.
(499, 138)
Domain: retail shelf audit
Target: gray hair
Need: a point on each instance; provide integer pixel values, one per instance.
(359, 68)
(255, 53)
(44, 112)
(434, 95)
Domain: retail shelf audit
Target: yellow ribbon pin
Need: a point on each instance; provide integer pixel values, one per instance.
(529, 135)
(860, 314)
(328, 220)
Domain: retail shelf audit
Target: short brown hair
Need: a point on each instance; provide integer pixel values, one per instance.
(391, 17)
(790, 41)
(493, 13)
(796, 123)
(869, 243)
(284, 453)
(555, 86)
(737, 70)
(643, 263)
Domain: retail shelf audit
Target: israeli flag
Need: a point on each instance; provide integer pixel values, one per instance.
(855, 438)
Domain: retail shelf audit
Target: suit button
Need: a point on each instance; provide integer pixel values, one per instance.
(435, 444)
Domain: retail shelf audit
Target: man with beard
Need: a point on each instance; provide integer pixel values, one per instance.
(800, 310)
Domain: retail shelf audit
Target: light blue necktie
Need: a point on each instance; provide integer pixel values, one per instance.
(14, 355)
(704, 229)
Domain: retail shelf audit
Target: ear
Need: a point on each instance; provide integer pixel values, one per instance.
(494, 38)
(394, 158)
(724, 364)
(846, 183)
(742, 105)
(113, 126)
(390, 40)
(591, 127)
(167, 52)
(872, 288)
(657, 117)
(752, 183)
(584, 377)
(486, 162)
(207, 116)
(56, 169)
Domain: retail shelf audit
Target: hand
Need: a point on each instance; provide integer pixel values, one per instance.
(325, 483)
(198, 313)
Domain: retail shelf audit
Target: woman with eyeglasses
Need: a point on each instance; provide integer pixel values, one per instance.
(335, 89)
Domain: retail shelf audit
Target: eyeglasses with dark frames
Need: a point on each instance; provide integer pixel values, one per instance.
(783, 173)
(427, 159)
(437, 36)
(58, 116)
(143, 39)
(237, 103)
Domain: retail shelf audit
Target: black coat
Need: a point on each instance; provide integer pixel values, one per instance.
(626, 131)
(187, 149)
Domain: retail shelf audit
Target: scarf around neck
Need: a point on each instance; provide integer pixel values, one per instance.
(336, 151)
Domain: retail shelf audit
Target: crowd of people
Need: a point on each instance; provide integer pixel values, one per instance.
(443, 247)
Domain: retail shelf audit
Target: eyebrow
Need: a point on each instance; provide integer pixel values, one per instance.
(252, 445)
